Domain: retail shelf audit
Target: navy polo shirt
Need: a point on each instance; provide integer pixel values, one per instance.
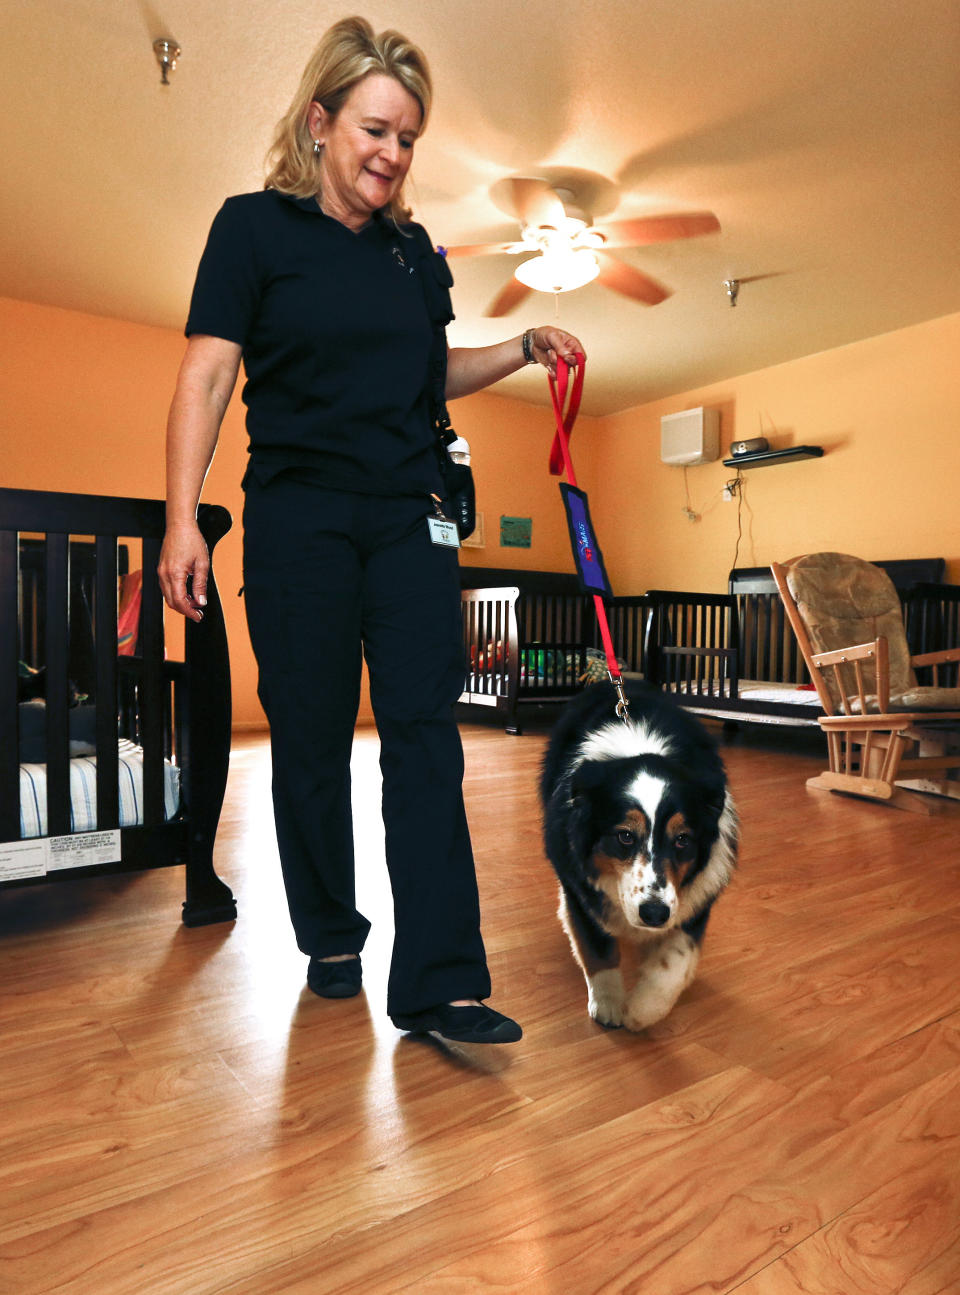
(336, 341)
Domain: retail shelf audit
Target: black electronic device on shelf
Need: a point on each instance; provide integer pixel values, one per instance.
(754, 446)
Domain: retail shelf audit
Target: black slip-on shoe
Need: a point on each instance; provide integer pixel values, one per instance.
(461, 1024)
(335, 979)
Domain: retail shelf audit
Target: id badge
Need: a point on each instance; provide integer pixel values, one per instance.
(443, 532)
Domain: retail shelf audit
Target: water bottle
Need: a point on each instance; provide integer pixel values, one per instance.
(462, 496)
(459, 451)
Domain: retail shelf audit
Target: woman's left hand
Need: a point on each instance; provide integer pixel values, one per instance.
(550, 342)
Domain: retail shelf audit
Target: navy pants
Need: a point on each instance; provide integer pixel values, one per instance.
(328, 575)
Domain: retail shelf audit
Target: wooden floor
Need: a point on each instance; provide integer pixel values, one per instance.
(178, 1115)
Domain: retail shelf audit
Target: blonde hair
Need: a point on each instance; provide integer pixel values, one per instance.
(348, 52)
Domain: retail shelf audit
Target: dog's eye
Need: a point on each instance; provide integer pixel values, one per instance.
(683, 844)
(626, 838)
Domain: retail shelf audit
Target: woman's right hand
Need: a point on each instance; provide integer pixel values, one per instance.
(206, 380)
(184, 556)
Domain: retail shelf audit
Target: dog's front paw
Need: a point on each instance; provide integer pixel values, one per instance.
(641, 1017)
(665, 976)
(609, 1015)
(648, 1003)
(605, 999)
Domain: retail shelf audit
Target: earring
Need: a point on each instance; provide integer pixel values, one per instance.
(317, 148)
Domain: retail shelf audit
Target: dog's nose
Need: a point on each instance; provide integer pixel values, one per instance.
(654, 912)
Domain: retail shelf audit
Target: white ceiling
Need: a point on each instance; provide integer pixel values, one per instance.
(825, 136)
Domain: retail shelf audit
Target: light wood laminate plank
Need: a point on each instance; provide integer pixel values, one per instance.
(179, 1116)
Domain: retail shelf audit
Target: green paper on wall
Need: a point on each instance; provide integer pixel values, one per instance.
(515, 532)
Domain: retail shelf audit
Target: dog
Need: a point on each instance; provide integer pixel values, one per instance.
(642, 833)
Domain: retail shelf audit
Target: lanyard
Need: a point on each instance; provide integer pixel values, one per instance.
(560, 463)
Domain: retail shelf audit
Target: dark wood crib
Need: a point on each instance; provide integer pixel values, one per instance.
(529, 637)
(734, 656)
(60, 559)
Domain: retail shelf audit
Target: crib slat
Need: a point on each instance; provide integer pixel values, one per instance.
(152, 708)
(482, 640)
(9, 648)
(105, 636)
(57, 626)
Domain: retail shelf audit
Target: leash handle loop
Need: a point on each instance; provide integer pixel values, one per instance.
(560, 460)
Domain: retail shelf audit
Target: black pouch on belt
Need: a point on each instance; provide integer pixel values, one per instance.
(459, 501)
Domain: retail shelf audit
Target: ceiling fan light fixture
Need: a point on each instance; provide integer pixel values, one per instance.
(572, 226)
(556, 271)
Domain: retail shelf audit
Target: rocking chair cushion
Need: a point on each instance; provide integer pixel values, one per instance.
(844, 601)
(919, 698)
(927, 698)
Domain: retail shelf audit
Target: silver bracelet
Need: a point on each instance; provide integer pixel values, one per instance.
(528, 354)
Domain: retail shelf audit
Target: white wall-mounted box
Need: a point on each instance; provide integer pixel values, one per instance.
(692, 436)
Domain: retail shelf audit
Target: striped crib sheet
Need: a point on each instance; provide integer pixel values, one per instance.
(83, 792)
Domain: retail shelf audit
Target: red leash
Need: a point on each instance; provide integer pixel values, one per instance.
(560, 462)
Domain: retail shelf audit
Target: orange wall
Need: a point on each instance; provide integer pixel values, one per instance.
(887, 413)
(83, 402)
(83, 406)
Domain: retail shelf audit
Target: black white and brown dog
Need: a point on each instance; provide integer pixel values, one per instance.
(642, 832)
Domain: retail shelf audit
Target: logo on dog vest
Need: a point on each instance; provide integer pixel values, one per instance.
(586, 550)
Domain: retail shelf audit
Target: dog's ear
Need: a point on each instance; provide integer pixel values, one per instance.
(714, 796)
(580, 810)
(705, 810)
(580, 826)
(585, 787)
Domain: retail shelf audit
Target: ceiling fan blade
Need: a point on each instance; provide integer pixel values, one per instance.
(644, 230)
(486, 249)
(532, 201)
(510, 295)
(629, 282)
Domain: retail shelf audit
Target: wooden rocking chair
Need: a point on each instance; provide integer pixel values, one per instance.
(881, 725)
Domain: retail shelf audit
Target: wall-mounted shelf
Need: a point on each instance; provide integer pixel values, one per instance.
(774, 456)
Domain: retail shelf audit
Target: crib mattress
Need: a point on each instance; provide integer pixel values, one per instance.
(83, 792)
(757, 693)
(757, 690)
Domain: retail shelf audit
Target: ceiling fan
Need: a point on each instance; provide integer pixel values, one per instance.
(556, 209)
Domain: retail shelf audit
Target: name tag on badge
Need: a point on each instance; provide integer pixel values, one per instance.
(443, 532)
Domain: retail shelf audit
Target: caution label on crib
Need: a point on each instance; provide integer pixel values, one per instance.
(35, 858)
(83, 850)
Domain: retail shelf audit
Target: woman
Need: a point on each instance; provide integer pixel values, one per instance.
(322, 286)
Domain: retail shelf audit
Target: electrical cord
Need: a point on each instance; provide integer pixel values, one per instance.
(735, 487)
